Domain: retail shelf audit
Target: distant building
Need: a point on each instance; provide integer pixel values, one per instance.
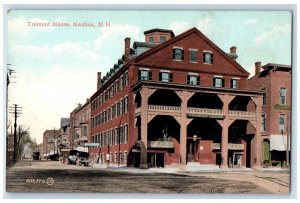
(275, 81)
(80, 126)
(64, 141)
(176, 100)
(50, 142)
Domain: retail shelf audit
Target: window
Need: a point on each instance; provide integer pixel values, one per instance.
(116, 136)
(193, 55)
(112, 91)
(111, 138)
(125, 133)
(178, 53)
(108, 114)
(77, 133)
(117, 109)
(263, 123)
(234, 83)
(125, 157)
(84, 130)
(151, 39)
(115, 158)
(207, 57)
(104, 139)
(100, 140)
(264, 98)
(165, 77)
(121, 83)
(126, 105)
(111, 112)
(121, 107)
(145, 75)
(282, 123)
(93, 123)
(126, 79)
(193, 79)
(218, 82)
(120, 157)
(282, 95)
(121, 134)
(116, 87)
(110, 157)
(162, 39)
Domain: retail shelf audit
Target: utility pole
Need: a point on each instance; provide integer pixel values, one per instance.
(16, 112)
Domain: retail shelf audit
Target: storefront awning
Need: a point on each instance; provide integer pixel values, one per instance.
(278, 142)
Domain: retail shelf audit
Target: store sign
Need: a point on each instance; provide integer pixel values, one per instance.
(91, 144)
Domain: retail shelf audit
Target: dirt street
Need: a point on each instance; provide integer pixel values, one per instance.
(52, 176)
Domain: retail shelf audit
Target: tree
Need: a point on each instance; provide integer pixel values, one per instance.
(23, 138)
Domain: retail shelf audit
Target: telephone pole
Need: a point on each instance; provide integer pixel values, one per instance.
(16, 113)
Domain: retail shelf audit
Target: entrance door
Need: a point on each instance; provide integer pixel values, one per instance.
(156, 160)
(237, 160)
(192, 150)
(160, 160)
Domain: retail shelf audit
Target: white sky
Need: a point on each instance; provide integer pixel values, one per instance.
(56, 67)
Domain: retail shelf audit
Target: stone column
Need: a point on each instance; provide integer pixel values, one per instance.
(257, 141)
(226, 99)
(184, 121)
(145, 94)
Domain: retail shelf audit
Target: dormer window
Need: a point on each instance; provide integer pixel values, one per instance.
(151, 39)
(207, 57)
(178, 53)
(162, 39)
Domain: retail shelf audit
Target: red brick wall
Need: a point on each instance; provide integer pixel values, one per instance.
(222, 65)
(272, 83)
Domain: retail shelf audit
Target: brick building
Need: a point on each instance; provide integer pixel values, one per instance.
(80, 125)
(50, 142)
(275, 81)
(176, 100)
(64, 141)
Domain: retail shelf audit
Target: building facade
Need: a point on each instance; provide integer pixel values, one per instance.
(64, 141)
(50, 145)
(80, 126)
(176, 100)
(275, 81)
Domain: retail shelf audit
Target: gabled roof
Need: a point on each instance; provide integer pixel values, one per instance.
(184, 35)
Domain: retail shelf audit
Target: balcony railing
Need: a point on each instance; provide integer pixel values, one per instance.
(231, 146)
(203, 112)
(164, 108)
(241, 113)
(160, 144)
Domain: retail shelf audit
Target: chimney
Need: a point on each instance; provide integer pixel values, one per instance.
(257, 67)
(233, 53)
(99, 84)
(127, 48)
(233, 50)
